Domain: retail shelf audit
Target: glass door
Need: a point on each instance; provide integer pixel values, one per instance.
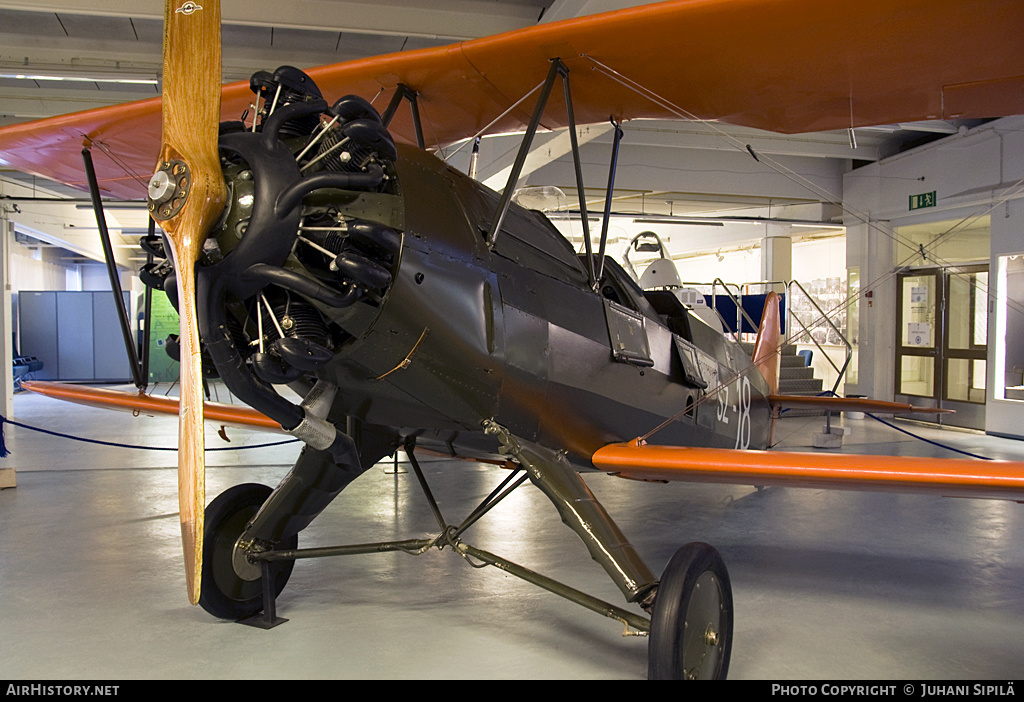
(918, 316)
(966, 338)
(942, 318)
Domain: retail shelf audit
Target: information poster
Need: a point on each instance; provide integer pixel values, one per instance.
(919, 334)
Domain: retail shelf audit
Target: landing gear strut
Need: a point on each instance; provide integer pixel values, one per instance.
(692, 613)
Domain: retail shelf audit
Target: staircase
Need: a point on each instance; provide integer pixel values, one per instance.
(795, 378)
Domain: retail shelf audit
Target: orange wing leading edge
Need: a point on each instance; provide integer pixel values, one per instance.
(778, 65)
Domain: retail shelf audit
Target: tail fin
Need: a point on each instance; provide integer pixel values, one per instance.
(766, 349)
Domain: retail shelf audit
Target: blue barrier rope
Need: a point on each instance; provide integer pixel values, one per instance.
(829, 393)
(4, 452)
(928, 441)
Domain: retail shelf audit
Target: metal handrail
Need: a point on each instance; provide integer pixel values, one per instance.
(828, 320)
(736, 300)
(789, 315)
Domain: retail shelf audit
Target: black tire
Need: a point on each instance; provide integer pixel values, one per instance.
(223, 593)
(691, 625)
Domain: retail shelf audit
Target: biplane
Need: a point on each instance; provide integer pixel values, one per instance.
(313, 242)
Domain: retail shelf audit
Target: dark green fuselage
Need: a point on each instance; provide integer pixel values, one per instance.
(517, 334)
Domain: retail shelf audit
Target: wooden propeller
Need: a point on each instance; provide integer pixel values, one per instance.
(187, 195)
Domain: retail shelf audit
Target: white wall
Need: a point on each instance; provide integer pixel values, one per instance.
(29, 273)
(735, 267)
(1005, 417)
(975, 174)
(95, 277)
(821, 258)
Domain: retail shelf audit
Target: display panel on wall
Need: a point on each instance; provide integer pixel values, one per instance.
(77, 335)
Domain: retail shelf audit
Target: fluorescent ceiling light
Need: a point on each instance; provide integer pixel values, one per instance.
(666, 220)
(26, 73)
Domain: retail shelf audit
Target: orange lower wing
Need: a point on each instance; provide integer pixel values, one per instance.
(215, 412)
(949, 477)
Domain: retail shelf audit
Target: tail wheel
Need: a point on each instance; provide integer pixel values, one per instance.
(226, 594)
(691, 625)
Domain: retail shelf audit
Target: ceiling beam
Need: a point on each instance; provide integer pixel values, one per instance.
(546, 148)
(568, 9)
(450, 19)
(725, 137)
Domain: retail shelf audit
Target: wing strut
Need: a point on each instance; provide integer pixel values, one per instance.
(115, 281)
(557, 69)
(403, 91)
(608, 199)
(524, 150)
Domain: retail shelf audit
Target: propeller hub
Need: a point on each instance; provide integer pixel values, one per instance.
(168, 189)
(161, 187)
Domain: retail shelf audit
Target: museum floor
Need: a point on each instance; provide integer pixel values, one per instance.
(827, 585)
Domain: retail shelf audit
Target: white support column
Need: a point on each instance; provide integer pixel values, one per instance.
(881, 311)
(776, 255)
(7, 474)
(6, 321)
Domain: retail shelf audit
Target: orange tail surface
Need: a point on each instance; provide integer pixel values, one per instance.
(766, 349)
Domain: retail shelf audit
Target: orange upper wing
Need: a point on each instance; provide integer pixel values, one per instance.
(783, 65)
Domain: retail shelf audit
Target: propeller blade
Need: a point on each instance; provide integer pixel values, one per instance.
(187, 195)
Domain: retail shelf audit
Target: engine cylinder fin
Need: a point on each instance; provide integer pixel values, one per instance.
(300, 320)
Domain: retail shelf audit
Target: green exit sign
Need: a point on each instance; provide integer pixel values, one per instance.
(923, 200)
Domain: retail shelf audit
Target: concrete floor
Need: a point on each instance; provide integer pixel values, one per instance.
(827, 585)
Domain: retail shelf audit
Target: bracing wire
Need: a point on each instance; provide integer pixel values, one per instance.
(1013, 191)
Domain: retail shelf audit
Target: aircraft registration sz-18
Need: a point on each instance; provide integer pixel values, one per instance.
(319, 245)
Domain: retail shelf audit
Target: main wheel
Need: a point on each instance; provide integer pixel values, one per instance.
(691, 625)
(226, 594)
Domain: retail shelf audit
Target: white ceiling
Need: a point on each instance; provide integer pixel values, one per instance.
(673, 168)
